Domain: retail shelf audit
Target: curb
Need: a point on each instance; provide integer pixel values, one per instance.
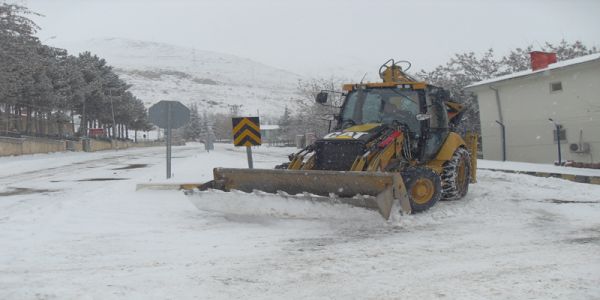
(570, 177)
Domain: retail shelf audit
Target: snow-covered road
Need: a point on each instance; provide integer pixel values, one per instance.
(72, 226)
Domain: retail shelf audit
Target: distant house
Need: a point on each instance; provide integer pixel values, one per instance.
(269, 133)
(568, 92)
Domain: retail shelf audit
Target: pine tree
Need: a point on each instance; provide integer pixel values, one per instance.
(193, 130)
(285, 122)
(46, 84)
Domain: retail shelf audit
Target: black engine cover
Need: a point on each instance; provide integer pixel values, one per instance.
(337, 155)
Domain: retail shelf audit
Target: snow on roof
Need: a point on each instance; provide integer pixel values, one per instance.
(558, 65)
(268, 127)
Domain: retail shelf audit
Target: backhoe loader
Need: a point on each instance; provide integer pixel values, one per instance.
(393, 143)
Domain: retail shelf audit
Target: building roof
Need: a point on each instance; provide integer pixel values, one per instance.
(528, 72)
(268, 127)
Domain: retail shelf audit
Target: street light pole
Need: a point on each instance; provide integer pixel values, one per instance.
(557, 126)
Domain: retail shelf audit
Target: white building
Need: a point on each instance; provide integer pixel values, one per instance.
(567, 92)
(269, 133)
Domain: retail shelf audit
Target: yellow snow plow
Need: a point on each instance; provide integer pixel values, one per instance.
(394, 141)
(373, 190)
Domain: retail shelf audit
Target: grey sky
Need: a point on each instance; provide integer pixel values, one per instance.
(309, 36)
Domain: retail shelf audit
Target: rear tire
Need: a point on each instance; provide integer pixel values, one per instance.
(456, 175)
(423, 187)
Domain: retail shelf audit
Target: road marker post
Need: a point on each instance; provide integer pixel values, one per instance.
(246, 132)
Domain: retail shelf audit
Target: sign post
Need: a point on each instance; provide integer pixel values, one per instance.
(168, 139)
(249, 156)
(168, 115)
(208, 136)
(246, 132)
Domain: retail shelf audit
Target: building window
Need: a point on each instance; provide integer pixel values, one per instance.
(562, 133)
(555, 87)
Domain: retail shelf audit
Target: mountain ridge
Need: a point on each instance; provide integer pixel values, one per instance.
(215, 81)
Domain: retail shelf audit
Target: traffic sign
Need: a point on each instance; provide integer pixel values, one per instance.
(168, 115)
(158, 114)
(246, 131)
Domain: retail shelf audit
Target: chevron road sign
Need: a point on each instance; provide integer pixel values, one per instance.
(246, 131)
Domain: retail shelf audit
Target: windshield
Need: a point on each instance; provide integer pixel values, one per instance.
(382, 106)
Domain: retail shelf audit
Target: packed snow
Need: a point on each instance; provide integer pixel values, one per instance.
(533, 167)
(73, 226)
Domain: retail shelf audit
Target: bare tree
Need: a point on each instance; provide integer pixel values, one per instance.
(310, 117)
(466, 68)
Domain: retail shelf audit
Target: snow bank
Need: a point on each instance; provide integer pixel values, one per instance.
(533, 167)
(269, 205)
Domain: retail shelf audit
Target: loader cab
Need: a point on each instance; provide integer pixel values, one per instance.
(421, 112)
(382, 105)
(438, 126)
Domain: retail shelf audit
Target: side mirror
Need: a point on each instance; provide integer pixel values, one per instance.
(423, 117)
(322, 97)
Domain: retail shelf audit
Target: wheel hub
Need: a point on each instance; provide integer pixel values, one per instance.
(422, 191)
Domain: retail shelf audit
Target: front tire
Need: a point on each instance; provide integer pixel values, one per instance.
(456, 175)
(423, 187)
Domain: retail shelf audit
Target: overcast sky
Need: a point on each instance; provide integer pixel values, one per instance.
(309, 36)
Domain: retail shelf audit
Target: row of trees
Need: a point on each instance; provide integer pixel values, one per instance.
(216, 126)
(42, 88)
(460, 71)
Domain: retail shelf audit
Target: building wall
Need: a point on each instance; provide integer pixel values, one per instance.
(527, 103)
(269, 134)
(31, 145)
(99, 145)
(10, 146)
(19, 146)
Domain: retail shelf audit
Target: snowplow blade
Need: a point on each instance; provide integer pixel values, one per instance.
(378, 190)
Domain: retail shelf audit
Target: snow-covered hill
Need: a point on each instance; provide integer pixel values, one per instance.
(214, 80)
